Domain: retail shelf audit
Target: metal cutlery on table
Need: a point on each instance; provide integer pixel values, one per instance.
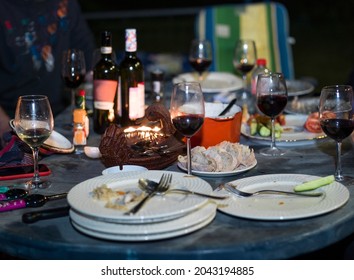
(232, 189)
(162, 186)
(35, 216)
(148, 184)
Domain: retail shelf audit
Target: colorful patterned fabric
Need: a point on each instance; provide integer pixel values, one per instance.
(33, 36)
(15, 152)
(266, 23)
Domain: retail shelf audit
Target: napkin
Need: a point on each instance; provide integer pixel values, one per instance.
(16, 152)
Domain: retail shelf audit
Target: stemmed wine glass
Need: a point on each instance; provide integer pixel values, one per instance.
(271, 99)
(73, 71)
(336, 119)
(245, 58)
(200, 56)
(187, 112)
(33, 124)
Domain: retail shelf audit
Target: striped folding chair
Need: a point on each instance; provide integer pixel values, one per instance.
(267, 23)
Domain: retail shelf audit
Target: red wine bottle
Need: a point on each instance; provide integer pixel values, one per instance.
(105, 85)
(132, 88)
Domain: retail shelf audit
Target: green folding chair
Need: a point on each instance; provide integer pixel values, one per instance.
(267, 23)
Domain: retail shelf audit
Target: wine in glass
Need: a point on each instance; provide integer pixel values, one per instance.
(245, 58)
(73, 71)
(33, 124)
(336, 119)
(187, 112)
(200, 56)
(271, 100)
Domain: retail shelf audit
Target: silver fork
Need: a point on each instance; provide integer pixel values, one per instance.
(162, 186)
(232, 189)
(190, 192)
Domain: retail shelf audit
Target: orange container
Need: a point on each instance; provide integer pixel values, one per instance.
(217, 129)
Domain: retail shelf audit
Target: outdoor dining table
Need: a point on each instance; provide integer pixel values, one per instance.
(226, 237)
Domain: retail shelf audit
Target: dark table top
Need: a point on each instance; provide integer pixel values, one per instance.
(226, 237)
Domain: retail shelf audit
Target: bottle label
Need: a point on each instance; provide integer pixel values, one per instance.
(130, 40)
(106, 49)
(101, 105)
(104, 93)
(80, 137)
(137, 102)
(254, 85)
(156, 86)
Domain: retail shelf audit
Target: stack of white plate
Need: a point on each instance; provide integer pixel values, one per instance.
(167, 216)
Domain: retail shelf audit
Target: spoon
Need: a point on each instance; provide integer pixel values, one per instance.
(228, 107)
(148, 185)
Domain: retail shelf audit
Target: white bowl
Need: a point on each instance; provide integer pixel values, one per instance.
(116, 169)
(92, 152)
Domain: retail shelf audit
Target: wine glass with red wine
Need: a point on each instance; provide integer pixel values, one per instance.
(200, 56)
(272, 96)
(336, 119)
(187, 112)
(245, 58)
(73, 71)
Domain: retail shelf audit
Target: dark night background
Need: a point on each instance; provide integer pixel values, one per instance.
(323, 30)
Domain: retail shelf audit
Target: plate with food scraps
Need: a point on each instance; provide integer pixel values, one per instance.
(98, 233)
(106, 197)
(148, 231)
(304, 105)
(218, 173)
(299, 87)
(224, 159)
(294, 133)
(282, 207)
(213, 81)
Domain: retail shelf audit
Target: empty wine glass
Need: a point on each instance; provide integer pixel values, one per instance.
(200, 56)
(187, 112)
(336, 119)
(245, 58)
(272, 96)
(33, 124)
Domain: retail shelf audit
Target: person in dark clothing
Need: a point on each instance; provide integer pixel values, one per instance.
(33, 36)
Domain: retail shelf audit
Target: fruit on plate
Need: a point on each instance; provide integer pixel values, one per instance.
(312, 123)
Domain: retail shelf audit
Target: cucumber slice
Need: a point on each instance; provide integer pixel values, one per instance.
(314, 184)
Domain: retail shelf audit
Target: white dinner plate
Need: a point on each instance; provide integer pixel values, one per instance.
(149, 237)
(298, 87)
(294, 133)
(303, 105)
(58, 143)
(218, 174)
(213, 81)
(137, 231)
(279, 207)
(158, 208)
(126, 168)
